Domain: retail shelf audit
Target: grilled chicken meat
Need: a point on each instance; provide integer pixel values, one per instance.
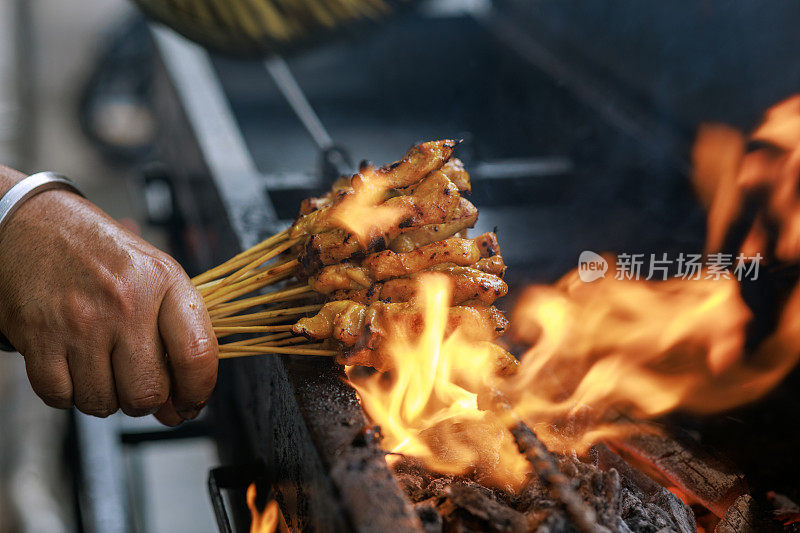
(454, 169)
(417, 163)
(434, 201)
(468, 285)
(505, 364)
(348, 321)
(429, 202)
(473, 265)
(492, 265)
(464, 216)
(388, 264)
(417, 167)
(362, 330)
(372, 280)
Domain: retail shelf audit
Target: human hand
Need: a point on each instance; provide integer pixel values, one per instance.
(103, 319)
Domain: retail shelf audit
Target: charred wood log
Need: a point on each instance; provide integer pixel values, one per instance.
(466, 508)
(704, 477)
(744, 517)
(643, 501)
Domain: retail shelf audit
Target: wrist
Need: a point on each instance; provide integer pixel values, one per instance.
(29, 187)
(8, 178)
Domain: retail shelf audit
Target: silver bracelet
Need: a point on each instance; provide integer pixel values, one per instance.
(16, 196)
(31, 186)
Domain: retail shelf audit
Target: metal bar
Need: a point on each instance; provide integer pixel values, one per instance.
(102, 496)
(522, 168)
(218, 501)
(297, 414)
(218, 135)
(290, 89)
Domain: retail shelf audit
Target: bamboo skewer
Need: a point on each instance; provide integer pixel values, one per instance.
(244, 320)
(288, 340)
(226, 294)
(255, 277)
(230, 330)
(246, 351)
(304, 342)
(274, 252)
(207, 286)
(257, 340)
(292, 293)
(239, 260)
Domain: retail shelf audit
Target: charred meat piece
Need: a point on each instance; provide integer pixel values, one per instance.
(345, 315)
(390, 276)
(421, 161)
(418, 162)
(464, 252)
(342, 276)
(492, 265)
(434, 200)
(454, 169)
(469, 285)
(464, 216)
(370, 348)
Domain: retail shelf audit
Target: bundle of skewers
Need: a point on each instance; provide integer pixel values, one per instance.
(349, 266)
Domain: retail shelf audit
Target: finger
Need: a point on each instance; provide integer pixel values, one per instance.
(191, 347)
(94, 391)
(140, 372)
(48, 373)
(168, 416)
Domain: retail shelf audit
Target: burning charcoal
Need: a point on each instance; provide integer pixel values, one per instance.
(744, 517)
(465, 508)
(785, 511)
(704, 477)
(412, 485)
(643, 501)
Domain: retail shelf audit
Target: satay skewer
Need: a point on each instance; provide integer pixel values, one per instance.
(259, 260)
(287, 294)
(222, 331)
(240, 259)
(246, 351)
(226, 294)
(257, 340)
(253, 319)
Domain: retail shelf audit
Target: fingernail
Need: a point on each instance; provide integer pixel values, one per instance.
(188, 414)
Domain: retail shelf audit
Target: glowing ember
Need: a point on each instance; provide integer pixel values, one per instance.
(428, 407)
(261, 522)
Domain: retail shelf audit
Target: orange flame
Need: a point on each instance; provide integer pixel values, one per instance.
(429, 407)
(604, 350)
(261, 522)
(615, 347)
(647, 347)
(363, 211)
(729, 173)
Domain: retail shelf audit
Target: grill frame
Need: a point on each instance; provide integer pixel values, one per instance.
(294, 414)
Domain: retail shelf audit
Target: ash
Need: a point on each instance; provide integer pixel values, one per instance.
(623, 498)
